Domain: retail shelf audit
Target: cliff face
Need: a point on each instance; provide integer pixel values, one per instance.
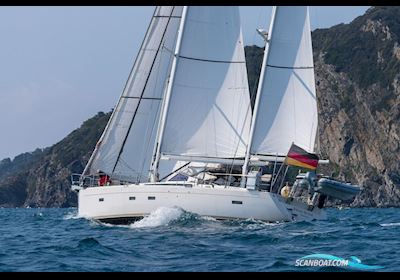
(360, 141)
(46, 181)
(357, 74)
(358, 89)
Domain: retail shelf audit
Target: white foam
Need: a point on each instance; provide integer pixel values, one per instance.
(390, 225)
(160, 217)
(208, 218)
(72, 215)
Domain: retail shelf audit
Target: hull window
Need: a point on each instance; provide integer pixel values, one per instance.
(132, 198)
(151, 198)
(236, 202)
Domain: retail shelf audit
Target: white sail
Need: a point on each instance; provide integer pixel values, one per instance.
(287, 107)
(209, 109)
(126, 146)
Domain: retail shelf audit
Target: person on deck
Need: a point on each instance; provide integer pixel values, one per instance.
(104, 179)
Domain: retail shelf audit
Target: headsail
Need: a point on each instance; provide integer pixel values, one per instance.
(287, 109)
(126, 146)
(209, 109)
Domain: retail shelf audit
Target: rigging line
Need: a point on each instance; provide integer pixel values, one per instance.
(112, 117)
(144, 98)
(167, 17)
(271, 155)
(194, 157)
(285, 67)
(283, 179)
(127, 165)
(277, 176)
(144, 88)
(241, 133)
(176, 170)
(133, 171)
(168, 50)
(212, 61)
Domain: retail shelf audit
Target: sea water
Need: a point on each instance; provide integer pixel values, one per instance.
(171, 239)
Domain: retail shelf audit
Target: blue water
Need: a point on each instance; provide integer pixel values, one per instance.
(173, 240)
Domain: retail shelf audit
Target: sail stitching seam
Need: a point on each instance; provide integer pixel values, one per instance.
(136, 97)
(166, 17)
(209, 60)
(285, 67)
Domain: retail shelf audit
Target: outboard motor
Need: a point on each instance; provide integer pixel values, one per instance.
(305, 181)
(311, 179)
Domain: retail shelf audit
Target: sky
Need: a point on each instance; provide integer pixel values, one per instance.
(59, 66)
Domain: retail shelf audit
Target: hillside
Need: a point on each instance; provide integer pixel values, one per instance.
(358, 88)
(45, 181)
(358, 71)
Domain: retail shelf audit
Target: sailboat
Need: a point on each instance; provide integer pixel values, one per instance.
(184, 133)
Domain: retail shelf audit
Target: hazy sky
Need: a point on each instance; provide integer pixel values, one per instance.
(61, 65)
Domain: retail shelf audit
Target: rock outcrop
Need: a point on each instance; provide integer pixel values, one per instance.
(46, 181)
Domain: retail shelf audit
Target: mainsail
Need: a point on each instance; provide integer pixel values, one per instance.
(126, 146)
(209, 113)
(287, 109)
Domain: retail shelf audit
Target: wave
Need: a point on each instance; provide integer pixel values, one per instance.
(390, 225)
(38, 215)
(252, 224)
(71, 216)
(162, 216)
(88, 242)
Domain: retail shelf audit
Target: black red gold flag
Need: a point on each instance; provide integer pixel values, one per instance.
(301, 158)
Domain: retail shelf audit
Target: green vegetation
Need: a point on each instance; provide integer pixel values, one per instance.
(20, 163)
(70, 155)
(364, 48)
(81, 141)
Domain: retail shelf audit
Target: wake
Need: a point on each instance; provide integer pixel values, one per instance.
(162, 216)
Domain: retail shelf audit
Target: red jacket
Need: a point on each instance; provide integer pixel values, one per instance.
(103, 180)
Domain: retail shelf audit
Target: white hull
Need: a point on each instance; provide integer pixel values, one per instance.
(124, 203)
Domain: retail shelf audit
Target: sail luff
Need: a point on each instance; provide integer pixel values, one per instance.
(128, 82)
(156, 162)
(257, 101)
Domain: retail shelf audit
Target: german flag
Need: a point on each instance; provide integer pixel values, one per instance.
(299, 157)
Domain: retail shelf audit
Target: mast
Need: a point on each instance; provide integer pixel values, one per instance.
(257, 101)
(157, 156)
